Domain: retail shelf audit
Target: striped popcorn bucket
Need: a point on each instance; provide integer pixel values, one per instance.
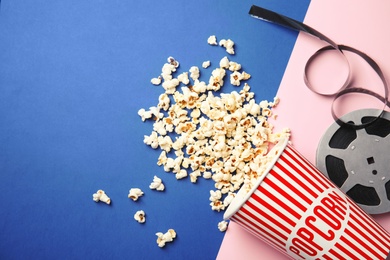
(298, 211)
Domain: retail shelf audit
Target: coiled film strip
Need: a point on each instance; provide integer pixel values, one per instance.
(345, 88)
(352, 152)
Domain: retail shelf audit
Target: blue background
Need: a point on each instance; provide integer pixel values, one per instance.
(73, 75)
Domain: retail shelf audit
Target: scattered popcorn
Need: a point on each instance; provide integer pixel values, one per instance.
(202, 132)
(169, 165)
(207, 175)
(275, 103)
(216, 79)
(181, 174)
(215, 195)
(100, 195)
(234, 66)
(228, 44)
(195, 73)
(162, 159)
(217, 205)
(228, 199)
(151, 140)
(170, 85)
(199, 86)
(163, 101)
(162, 239)
(194, 175)
(167, 70)
(144, 114)
(157, 184)
(156, 112)
(235, 78)
(206, 64)
(212, 40)
(165, 142)
(245, 76)
(224, 63)
(135, 193)
(156, 81)
(139, 216)
(222, 226)
(173, 62)
(183, 78)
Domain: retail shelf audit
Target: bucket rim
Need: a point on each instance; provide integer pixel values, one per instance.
(242, 195)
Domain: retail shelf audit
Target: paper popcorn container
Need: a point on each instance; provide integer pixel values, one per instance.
(297, 210)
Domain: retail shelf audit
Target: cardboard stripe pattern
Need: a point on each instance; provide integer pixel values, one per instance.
(298, 211)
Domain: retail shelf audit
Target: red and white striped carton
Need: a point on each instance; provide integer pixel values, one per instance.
(298, 211)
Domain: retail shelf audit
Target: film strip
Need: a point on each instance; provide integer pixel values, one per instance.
(352, 152)
(346, 88)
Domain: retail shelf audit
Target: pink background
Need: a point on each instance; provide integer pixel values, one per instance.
(358, 23)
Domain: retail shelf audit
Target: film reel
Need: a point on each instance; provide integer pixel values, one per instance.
(358, 160)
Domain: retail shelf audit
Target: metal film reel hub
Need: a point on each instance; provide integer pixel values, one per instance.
(358, 160)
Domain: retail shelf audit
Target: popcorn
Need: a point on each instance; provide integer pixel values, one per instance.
(224, 63)
(100, 195)
(195, 114)
(156, 81)
(235, 78)
(181, 174)
(147, 114)
(224, 137)
(266, 112)
(216, 79)
(228, 199)
(173, 62)
(157, 184)
(183, 78)
(228, 44)
(206, 64)
(135, 193)
(199, 87)
(163, 101)
(275, 103)
(162, 239)
(151, 140)
(159, 128)
(222, 226)
(139, 216)
(144, 114)
(215, 195)
(252, 108)
(212, 40)
(217, 205)
(156, 112)
(245, 76)
(194, 175)
(170, 85)
(169, 165)
(195, 73)
(207, 175)
(165, 142)
(167, 70)
(234, 66)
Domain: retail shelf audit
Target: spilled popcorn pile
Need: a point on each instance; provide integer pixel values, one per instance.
(221, 137)
(201, 133)
(224, 138)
